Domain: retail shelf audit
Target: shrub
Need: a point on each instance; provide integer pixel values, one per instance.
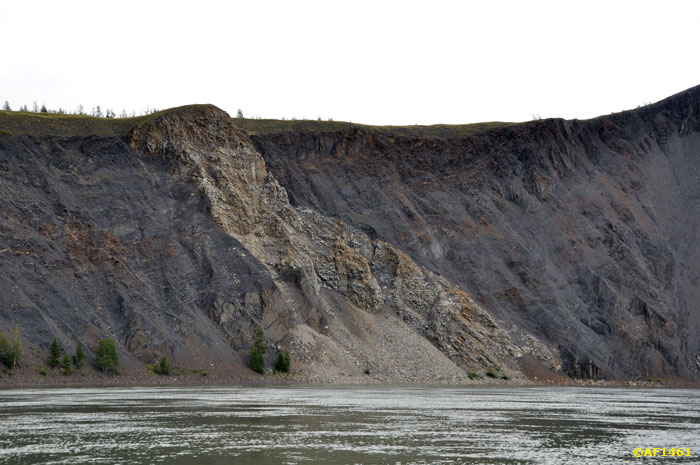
(490, 373)
(472, 375)
(106, 355)
(42, 370)
(11, 351)
(283, 361)
(163, 367)
(79, 356)
(257, 360)
(54, 354)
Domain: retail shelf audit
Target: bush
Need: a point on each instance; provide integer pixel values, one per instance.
(472, 375)
(490, 373)
(79, 356)
(283, 361)
(257, 360)
(54, 354)
(106, 355)
(11, 351)
(163, 367)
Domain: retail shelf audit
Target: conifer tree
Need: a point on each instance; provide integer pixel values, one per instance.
(4, 347)
(79, 356)
(6, 107)
(66, 364)
(257, 360)
(16, 347)
(106, 355)
(283, 362)
(54, 354)
(11, 351)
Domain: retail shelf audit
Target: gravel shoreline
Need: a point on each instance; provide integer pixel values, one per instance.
(26, 380)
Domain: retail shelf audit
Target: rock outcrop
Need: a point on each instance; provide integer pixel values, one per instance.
(584, 233)
(367, 255)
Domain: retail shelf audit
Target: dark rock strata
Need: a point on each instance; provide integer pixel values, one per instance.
(570, 244)
(585, 233)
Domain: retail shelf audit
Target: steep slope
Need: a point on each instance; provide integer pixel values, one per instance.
(584, 233)
(169, 234)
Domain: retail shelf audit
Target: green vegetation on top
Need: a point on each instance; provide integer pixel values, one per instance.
(65, 125)
(437, 131)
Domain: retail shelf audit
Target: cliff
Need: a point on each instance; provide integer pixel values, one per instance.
(411, 254)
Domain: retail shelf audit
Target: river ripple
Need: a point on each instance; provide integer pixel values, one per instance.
(346, 425)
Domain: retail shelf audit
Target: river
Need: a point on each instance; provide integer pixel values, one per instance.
(347, 425)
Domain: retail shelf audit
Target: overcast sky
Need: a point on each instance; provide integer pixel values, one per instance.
(371, 62)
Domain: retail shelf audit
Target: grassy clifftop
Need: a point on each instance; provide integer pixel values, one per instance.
(52, 124)
(440, 131)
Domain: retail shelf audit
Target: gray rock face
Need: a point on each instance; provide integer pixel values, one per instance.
(97, 240)
(584, 233)
(175, 239)
(570, 244)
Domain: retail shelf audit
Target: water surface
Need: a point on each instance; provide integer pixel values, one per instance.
(346, 425)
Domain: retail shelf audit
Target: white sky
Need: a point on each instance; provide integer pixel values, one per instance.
(374, 62)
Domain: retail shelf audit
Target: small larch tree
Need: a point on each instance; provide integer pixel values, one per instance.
(66, 364)
(79, 356)
(283, 362)
(54, 354)
(257, 359)
(11, 351)
(4, 346)
(106, 355)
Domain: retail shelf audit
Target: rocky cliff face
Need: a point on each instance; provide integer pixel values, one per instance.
(584, 233)
(568, 244)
